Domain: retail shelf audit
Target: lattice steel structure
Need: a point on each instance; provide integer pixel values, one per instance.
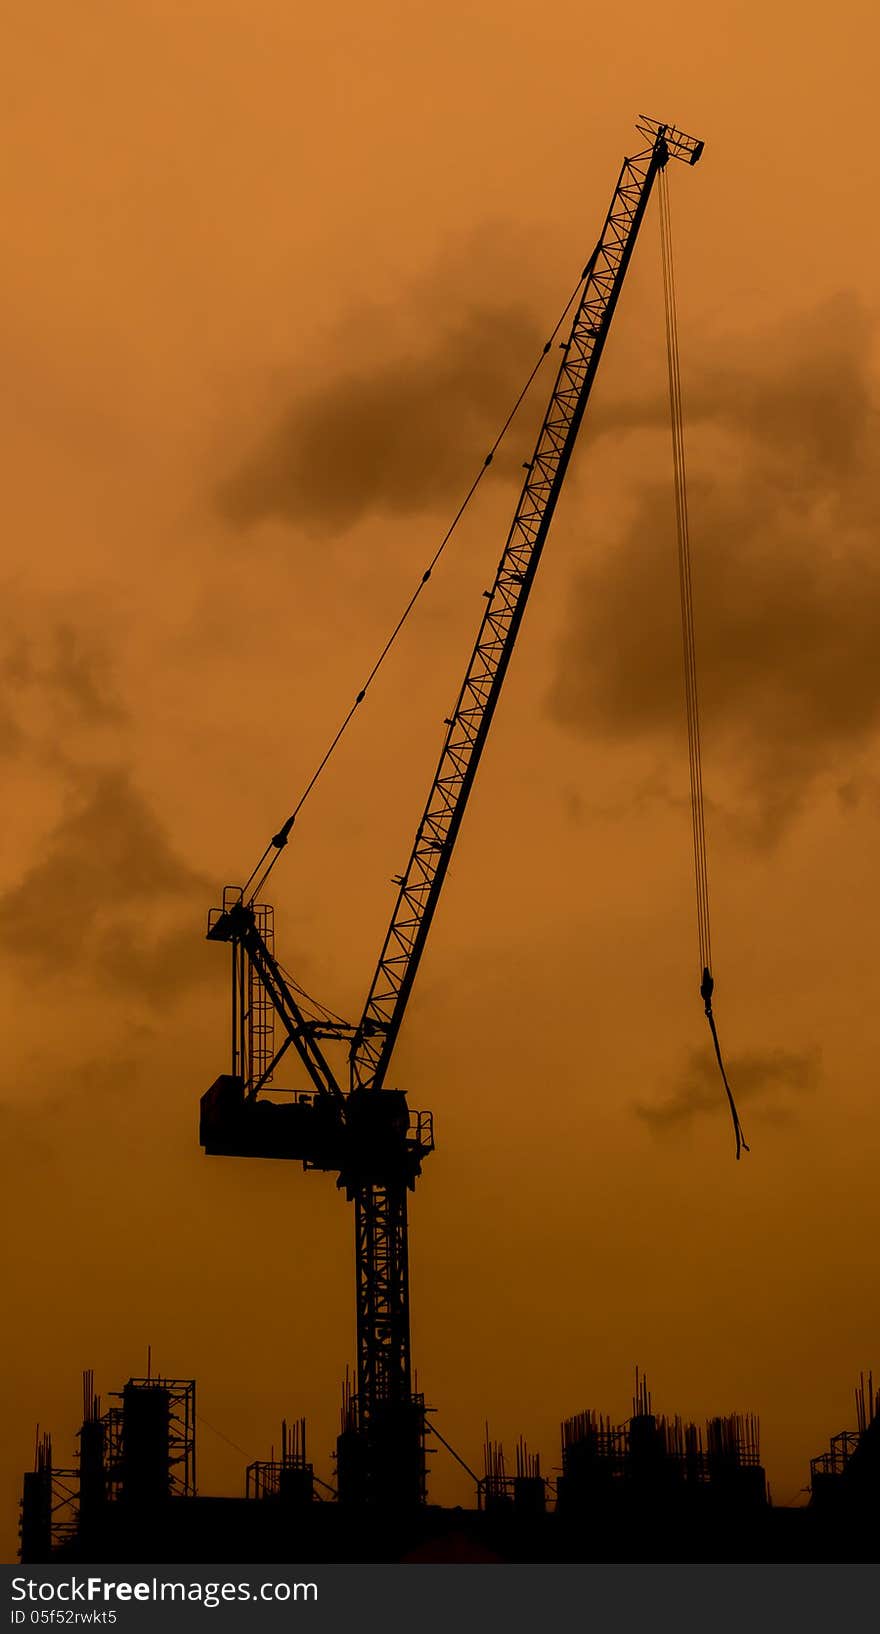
(382, 1258)
(65, 1506)
(369, 1138)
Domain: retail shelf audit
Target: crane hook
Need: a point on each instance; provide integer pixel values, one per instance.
(707, 988)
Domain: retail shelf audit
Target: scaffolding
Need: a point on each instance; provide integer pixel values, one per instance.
(853, 1458)
(603, 1460)
(49, 1505)
(526, 1491)
(290, 1478)
(155, 1423)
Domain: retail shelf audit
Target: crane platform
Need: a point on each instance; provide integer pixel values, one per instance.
(370, 1139)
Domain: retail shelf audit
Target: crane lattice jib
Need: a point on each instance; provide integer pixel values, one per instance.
(468, 725)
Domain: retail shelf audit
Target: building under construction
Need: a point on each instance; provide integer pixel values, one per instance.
(845, 1480)
(650, 1489)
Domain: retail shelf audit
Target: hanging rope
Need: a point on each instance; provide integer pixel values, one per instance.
(701, 872)
(260, 874)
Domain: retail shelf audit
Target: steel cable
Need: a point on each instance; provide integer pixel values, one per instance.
(686, 597)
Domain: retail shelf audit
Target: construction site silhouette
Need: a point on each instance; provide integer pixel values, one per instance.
(650, 1488)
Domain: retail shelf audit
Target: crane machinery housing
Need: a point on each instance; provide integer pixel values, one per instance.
(366, 1134)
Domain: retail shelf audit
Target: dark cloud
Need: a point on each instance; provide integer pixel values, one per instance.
(784, 504)
(109, 896)
(400, 438)
(64, 660)
(641, 796)
(56, 676)
(80, 673)
(778, 1078)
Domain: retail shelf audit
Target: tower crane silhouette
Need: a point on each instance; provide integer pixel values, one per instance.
(366, 1134)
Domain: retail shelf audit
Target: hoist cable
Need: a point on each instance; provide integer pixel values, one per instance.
(686, 595)
(267, 862)
(685, 583)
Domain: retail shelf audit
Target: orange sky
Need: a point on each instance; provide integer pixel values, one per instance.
(270, 286)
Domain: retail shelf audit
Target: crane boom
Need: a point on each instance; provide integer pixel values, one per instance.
(468, 725)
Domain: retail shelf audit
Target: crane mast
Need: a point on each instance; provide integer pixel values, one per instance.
(368, 1135)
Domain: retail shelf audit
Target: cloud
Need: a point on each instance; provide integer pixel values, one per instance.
(778, 1078)
(80, 673)
(399, 438)
(784, 505)
(57, 682)
(63, 659)
(110, 896)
